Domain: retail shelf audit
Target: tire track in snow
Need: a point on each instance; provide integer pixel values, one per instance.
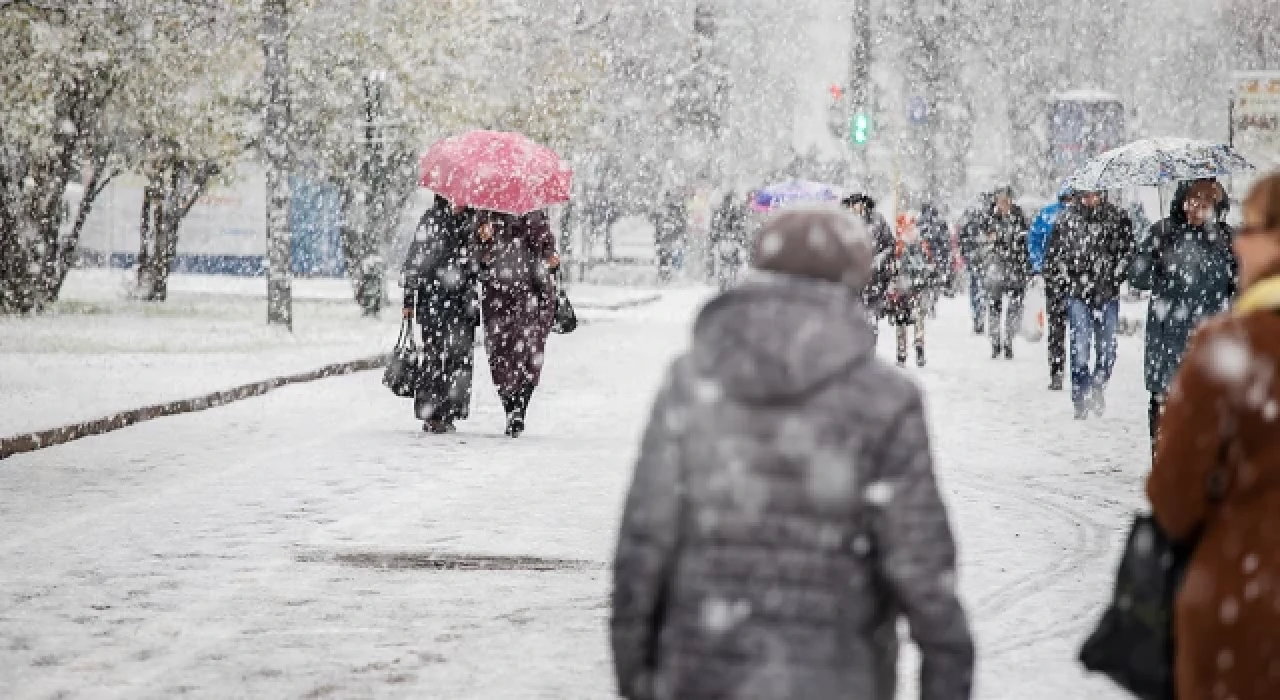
(1089, 540)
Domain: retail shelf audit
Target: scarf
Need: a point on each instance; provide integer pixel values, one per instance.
(1262, 296)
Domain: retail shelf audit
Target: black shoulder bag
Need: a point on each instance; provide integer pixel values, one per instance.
(1133, 645)
(566, 319)
(404, 365)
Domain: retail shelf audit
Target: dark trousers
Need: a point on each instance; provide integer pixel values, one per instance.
(1056, 317)
(977, 298)
(1154, 412)
(1011, 319)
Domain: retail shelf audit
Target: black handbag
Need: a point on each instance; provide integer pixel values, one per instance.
(1133, 644)
(566, 320)
(404, 365)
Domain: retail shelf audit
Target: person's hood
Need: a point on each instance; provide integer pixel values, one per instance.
(779, 338)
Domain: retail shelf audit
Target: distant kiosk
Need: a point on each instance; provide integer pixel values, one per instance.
(1082, 124)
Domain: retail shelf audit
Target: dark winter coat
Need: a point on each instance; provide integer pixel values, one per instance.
(784, 514)
(672, 224)
(1220, 430)
(1090, 250)
(972, 226)
(1005, 254)
(877, 291)
(730, 222)
(441, 273)
(1191, 273)
(937, 234)
(519, 299)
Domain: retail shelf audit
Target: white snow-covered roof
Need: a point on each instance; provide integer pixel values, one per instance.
(1085, 96)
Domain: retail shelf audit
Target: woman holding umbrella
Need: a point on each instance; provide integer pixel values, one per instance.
(511, 181)
(1187, 264)
(518, 255)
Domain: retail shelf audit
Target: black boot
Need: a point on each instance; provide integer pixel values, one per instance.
(919, 356)
(1055, 382)
(995, 351)
(519, 407)
(1008, 350)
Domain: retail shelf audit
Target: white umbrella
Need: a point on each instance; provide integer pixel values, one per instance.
(1154, 162)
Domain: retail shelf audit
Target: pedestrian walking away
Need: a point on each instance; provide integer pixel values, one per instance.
(440, 281)
(1007, 270)
(1090, 250)
(1213, 484)
(784, 511)
(1038, 239)
(519, 261)
(973, 225)
(1187, 264)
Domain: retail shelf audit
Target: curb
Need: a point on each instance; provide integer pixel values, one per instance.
(621, 305)
(30, 442)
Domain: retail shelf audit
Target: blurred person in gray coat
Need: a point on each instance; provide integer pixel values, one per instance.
(784, 512)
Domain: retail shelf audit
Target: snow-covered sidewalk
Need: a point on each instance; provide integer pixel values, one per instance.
(236, 553)
(98, 352)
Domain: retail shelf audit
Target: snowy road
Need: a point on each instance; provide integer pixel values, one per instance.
(236, 553)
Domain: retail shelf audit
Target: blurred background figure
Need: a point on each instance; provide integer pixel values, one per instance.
(780, 413)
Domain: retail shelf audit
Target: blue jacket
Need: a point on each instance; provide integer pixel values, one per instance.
(1038, 236)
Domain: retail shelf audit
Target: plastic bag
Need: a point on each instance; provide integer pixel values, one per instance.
(1031, 326)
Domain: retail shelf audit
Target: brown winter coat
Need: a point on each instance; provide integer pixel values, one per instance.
(1221, 434)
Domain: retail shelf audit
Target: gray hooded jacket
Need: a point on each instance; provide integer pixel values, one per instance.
(783, 515)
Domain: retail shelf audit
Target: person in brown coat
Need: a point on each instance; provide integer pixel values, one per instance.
(1217, 477)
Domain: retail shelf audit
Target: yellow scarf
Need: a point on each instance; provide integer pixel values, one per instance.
(1263, 296)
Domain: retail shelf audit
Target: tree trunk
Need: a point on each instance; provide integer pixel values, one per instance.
(166, 201)
(275, 146)
(33, 259)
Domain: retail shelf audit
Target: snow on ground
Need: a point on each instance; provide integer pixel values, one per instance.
(194, 554)
(99, 352)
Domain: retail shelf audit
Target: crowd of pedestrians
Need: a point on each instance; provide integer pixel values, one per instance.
(743, 572)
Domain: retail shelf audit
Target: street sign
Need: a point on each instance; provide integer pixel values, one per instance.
(1255, 114)
(917, 110)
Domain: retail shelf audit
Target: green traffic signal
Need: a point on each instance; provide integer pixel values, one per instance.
(860, 128)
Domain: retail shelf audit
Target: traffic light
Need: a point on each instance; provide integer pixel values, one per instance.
(860, 128)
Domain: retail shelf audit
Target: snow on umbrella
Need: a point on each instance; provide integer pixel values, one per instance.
(784, 193)
(496, 170)
(1153, 162)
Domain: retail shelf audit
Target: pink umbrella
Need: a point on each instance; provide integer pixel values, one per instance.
(497, 171)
